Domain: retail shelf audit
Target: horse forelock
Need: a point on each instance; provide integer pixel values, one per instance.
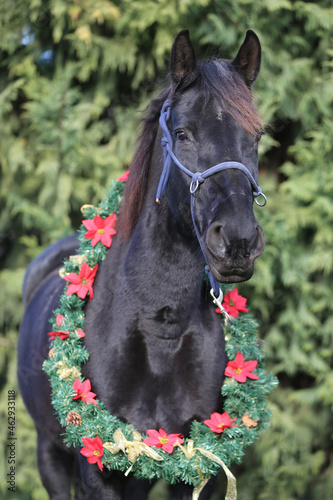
(213, 78)
(220, 80)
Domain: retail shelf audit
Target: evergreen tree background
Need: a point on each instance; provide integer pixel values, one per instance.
(73, 75)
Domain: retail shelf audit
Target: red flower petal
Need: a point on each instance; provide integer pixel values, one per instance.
(93, 450)
(240, 377)
(61, 334)
(239, 359)
(160, 439)
(153, 433)
(59, 319)
(233, 294)
(241, 369)
(93, 272)
(82, 292)
(73, 278)
(100, 230)
(82, 283)
(89, 398)
(218, 422)
(73, 289)
(88, 452)
(99, 222)
(89, 224)
(233, 365)
(76, 386)
(91, 233)
(234, 303)
(152, 442)
(250, 365)
(110, 221)
(229, 372)
(124, 177)
(86, 385)
(83, 391)
(253, 376)
(168, 447)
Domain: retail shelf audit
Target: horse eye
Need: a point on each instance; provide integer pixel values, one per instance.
(181, 136)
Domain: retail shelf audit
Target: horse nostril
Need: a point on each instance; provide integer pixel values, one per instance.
(215, 239)
(236, 243)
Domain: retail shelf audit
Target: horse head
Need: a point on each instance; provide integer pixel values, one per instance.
(211, 122)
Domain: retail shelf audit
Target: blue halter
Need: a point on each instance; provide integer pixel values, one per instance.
(197, 179)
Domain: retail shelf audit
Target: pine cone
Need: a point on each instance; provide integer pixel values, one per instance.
(248, 421)
(73, 418)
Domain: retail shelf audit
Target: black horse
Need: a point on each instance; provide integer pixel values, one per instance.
(157, 356)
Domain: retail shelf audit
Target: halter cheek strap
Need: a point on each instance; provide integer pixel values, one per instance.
(197, 178)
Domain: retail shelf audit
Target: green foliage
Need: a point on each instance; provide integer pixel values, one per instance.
(73, 75)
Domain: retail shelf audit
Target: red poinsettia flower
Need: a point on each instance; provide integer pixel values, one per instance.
(241, 369)
(218, 422)
(80, 333)
(82, 390)
(63, 335)
(124, 177)
(160, 439)
(233, 303)
(93, 450)
(82, 283)
(59, 319)
(100, 229)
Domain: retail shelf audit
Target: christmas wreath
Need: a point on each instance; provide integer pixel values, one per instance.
(107, 441)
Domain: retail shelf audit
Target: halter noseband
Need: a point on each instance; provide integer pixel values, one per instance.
(197, 179)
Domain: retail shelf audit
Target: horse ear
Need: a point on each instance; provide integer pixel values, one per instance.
(182, 57)
(247, 61)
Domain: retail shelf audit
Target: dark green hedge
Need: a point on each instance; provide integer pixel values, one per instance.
(73, 75)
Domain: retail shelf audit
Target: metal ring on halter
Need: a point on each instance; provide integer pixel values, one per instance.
(194, 186)
(261, 204)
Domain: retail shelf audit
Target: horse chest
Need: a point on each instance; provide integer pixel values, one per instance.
(151, 381)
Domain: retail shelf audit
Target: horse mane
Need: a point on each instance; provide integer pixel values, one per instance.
(216, 78)
(136, 184)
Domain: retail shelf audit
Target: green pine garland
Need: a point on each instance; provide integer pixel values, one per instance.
(201, 454)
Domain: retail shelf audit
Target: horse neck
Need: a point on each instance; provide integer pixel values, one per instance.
(163, 264)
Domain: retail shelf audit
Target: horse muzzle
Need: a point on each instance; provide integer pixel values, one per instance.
(230, 257)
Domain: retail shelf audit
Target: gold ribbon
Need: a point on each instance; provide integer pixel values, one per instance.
(198, 489)
(86, 207)
(77, 260)
(133, 449)
(189, 452)
(64, 371)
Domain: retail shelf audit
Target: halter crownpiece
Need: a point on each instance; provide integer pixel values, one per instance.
(197, 179)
